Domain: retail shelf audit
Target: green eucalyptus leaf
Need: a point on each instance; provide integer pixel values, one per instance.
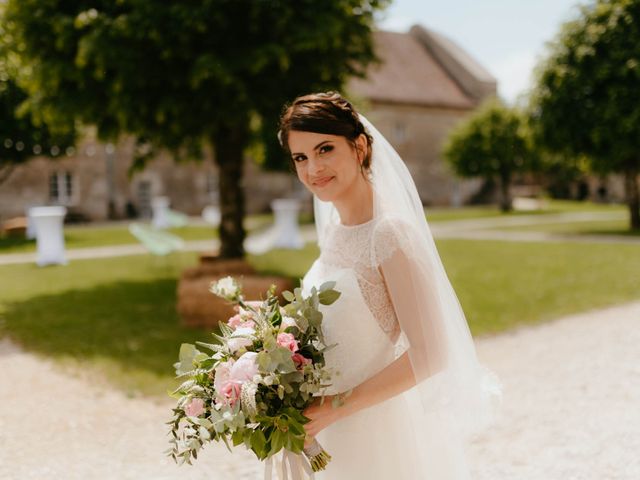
(328, 285)
(329, 296)
(187, 354)
(288, 296)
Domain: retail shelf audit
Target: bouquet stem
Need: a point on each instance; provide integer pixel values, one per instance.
(318, 456)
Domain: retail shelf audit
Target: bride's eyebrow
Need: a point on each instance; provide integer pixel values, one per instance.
(315, 148)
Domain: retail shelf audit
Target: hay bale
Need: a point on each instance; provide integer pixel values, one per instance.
(198, 307)
(15, 227)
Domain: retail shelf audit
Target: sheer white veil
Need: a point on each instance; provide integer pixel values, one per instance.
(450, 379)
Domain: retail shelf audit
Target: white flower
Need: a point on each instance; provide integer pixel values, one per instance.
(238, 338)
(245, 368)
(225, 287)
(270, 379)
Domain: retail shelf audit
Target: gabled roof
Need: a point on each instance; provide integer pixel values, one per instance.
(412, 72)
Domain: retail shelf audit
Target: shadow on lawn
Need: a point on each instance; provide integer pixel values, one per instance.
(133, 324)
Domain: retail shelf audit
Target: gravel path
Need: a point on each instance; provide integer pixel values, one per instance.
(571, 411)
(571, 406)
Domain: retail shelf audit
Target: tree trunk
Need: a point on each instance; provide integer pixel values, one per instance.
(632, 194)
(506, 203)
(228, 145)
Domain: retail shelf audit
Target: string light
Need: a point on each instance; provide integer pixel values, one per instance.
(55, 150)
(37, 149)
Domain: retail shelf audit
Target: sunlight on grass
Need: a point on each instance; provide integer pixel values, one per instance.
(591, 227)
(443, 214)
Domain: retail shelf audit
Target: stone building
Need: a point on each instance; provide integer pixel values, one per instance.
(424, 86)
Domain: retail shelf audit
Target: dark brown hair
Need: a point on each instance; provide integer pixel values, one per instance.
(323, 112)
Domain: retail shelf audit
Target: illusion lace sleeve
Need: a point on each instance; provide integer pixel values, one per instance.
(411, 289)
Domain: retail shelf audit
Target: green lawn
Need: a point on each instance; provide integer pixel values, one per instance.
(101, 235)
(443, 214)
(118, 234)
(116, 317)
(591, 227)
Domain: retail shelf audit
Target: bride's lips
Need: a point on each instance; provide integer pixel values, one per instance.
(323, 182)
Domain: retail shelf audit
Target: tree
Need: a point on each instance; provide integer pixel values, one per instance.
(490, 143)
(21, 136)
(182, 75)
(587, 97)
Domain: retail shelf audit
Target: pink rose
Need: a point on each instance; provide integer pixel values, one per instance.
(223, 374)
(248, 324)
(287, 340)
(195, 407)
(245, 368)
(300, 360)
(230, 393)
(235, 321)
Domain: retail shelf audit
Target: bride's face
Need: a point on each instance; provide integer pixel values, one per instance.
(326, 164)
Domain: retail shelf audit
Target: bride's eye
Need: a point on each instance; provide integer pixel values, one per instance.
(327, 147)
(299, 158)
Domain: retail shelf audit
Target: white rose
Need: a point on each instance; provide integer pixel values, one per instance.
(225, 287)
(238, 338)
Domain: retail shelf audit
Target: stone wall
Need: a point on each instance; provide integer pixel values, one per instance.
(418, 134)
(190, 185)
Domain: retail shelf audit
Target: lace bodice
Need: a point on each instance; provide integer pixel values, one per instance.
(362, 247)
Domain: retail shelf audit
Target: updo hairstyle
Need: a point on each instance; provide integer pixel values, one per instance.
(324, 112)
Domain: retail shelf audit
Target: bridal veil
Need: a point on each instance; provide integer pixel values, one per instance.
(450, 381)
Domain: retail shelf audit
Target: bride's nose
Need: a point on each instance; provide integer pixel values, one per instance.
(316, 166)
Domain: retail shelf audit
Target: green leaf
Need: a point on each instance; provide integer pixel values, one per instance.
(237, 437)
(288, 296)
(298, 293)
(204, 434)
(327, 285)
(210, 346)
(258, 443)
(277, 440)
(329, 296)
(188, 353)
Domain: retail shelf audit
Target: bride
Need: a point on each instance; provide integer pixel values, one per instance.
(410, 390)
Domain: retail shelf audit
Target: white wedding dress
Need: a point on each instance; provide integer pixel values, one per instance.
(380, 442)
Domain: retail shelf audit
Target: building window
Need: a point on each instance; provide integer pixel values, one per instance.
(62, 189)
(144, 198)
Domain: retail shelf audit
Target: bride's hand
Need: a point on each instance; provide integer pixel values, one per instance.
(321, 417)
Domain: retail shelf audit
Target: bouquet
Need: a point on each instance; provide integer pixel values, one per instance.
(251, 385)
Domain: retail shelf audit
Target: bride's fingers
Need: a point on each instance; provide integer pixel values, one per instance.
(308, 440)
(308, 428)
